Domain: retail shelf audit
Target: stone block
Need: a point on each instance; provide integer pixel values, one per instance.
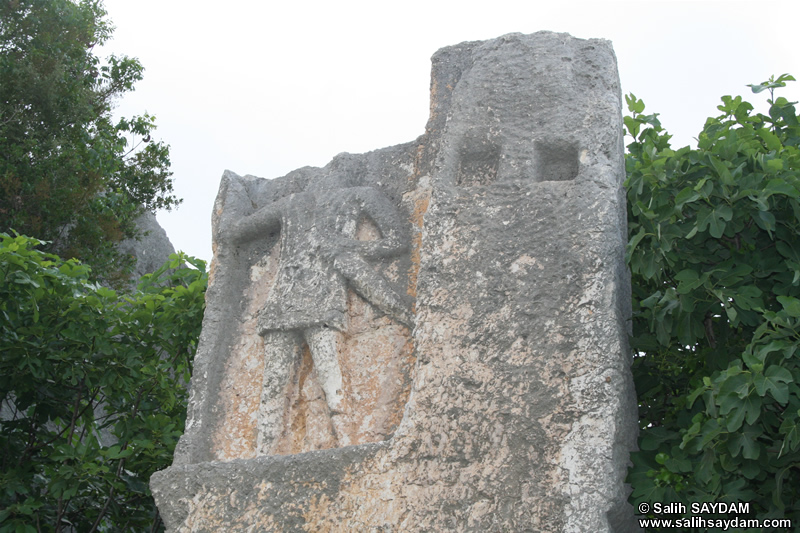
(431, 336)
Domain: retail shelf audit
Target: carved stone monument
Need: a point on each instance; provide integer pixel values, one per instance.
(427, 337)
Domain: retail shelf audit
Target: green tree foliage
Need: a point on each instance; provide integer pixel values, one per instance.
(69, 174)
(92, 385)
(714, 254)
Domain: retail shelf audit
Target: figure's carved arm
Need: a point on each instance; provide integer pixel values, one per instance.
(255, 225)
(351, 256)
(252, 226)
(376, 206)
(373, 287)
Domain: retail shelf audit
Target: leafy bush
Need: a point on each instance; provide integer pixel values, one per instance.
(714, 253)
(92, 384)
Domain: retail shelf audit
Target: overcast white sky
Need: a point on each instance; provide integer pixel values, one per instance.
(263, 88)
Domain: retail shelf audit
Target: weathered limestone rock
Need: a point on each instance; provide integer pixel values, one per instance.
(432, 336)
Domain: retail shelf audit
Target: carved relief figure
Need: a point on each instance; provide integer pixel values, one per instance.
(320, 258)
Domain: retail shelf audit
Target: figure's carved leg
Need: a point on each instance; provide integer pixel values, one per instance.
(282, 351)
(325, 344)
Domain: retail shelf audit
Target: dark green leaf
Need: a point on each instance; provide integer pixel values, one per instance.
(791, 305)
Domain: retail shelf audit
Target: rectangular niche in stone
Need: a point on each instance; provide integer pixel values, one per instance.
(431, 336)
(556, 160)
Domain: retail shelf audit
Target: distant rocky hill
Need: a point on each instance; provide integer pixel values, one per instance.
(152, 250)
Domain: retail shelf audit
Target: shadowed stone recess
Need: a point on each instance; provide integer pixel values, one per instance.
(431, 336)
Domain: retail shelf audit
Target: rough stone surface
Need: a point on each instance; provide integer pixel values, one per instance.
(427, 337)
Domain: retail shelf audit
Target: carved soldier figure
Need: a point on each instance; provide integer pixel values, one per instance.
(320, 258)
